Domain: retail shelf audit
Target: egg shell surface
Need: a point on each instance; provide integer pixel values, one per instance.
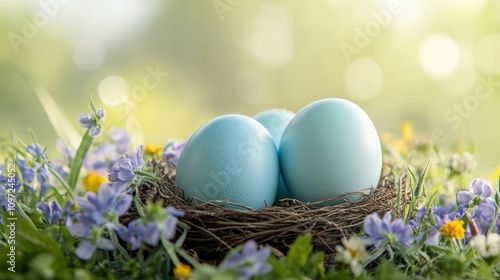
(233, 158)
(275, 121)
(329, 148)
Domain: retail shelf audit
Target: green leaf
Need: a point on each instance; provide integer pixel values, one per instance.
(387, 271)
(207, 272)
(37, 255)
(418, 192)
(76, 165)
(344, 274)
(300, 251)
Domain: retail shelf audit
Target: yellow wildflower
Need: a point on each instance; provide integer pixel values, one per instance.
(182, 271)
(93, 181)
(453, 229)
(401, 147)
(152, 149)
(407, 131)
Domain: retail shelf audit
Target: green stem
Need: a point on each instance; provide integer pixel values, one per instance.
(147, 175)
(117, 244)
(138, 204)
(428, 210)
(418, 191)
(63, 183)
(76, 165)
(187, 257)
(376, 255)
(140, 256)
(495, 217)
(23, 215)
(170, 250)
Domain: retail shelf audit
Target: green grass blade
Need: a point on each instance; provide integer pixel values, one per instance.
(76, 165)
(59, 121)
(418, 191)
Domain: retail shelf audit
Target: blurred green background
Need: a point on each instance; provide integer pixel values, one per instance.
(163, 68)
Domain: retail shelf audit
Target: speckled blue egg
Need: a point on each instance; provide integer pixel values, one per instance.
(275, 121)
(329, 148)
(233, 158)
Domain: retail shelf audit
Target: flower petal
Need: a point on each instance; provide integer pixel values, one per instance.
(44, 207)
(124, 232)
(464, 197)
(126, 175)
(85, 205)
(123, 204)
(373, 225)
(113, 175)
(94, 131)
(106, 196)
(85, 250)
(169, 228)
(85, 120)
(174, 212)
(105, 244)
(151, 234)
(486, 211)
(433, 237)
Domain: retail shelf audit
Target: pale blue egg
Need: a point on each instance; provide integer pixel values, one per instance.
(275, 121)
(233, 158)
(329, 148)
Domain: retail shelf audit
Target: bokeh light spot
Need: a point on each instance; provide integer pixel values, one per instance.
(113, 90)
(89, 54)
(488, 54)
(270, 39)
(438, 55)
(463, 78)
(364, 79)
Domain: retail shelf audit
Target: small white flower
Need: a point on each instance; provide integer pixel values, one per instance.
(352, 253)
(463, 163)
(487, 246)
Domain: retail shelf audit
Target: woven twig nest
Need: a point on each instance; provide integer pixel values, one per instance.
(214, 230)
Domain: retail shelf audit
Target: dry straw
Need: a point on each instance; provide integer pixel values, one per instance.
(214, 230)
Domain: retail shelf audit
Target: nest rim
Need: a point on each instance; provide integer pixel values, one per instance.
(215, 229)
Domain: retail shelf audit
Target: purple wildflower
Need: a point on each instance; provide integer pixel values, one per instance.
(124, 170)
(85, 249)
(480, 200)
(480, 189)
(250, 261)
(4, 201)
(379, 230)
(160, 222)
(54, 213)
(102, 208)
(99, 210)
(105, 156)
(441, 215)
(36, 151)
(101, 159)
(94, 122)
(30, 170)
(7, 186)
(172, 153)
(132, 234)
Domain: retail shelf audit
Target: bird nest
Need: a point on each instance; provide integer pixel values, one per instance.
(214, 230)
